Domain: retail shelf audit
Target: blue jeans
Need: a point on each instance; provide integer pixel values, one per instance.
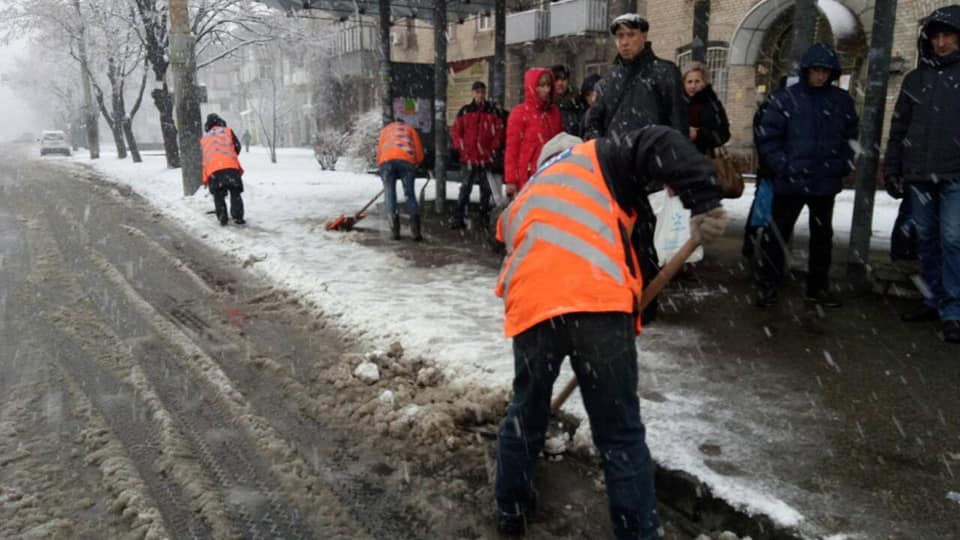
(390, 172)
(603, 355)
(935, 210)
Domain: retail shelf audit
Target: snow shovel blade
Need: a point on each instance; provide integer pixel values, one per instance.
(345, 223)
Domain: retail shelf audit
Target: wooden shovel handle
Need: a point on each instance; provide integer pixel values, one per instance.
(649, 293)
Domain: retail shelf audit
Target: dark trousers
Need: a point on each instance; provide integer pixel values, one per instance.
(476, 174)
(786, 210)
(603, 354)
(222, 182)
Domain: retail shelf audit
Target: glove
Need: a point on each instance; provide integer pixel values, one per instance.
(511, 190)
(708, 226)
(894, 186)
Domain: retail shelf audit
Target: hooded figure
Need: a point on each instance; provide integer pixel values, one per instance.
(806, 130)
(530, 126)
(922, 164)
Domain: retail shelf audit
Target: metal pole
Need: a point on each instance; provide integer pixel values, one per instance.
(386, 98)
(184, 66)
(874, 103)
(440, 102)
(701, 30)
(804, 28)
(500, 52)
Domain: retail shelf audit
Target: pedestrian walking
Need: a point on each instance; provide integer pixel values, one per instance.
(709, 127)
(530, 125)
(575, 214)
(640, 90)
(922, 162)
(806, 135)
(572, 107)
(246, 138)
(399, 151)
(222, 172)
(476, 134)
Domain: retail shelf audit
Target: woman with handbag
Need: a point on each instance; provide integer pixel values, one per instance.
(709, 127)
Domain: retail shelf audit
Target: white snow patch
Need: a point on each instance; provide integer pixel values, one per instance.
(367, 372)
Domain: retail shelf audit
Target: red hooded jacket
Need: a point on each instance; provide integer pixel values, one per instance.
(530, 126)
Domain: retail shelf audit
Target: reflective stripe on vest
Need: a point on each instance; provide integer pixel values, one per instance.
(568, 245)
(218, 152)
(398, 137)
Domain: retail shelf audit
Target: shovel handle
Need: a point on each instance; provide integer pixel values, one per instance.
(649, 293)
(369, 204)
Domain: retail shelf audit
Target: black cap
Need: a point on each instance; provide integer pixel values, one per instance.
(589, 83)
(479, 86)
(213, 119)
(630, 20)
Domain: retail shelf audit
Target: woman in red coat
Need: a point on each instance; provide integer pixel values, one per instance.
(530, 126)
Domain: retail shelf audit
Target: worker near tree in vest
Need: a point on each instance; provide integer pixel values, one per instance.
(576, 214)
(222, 172)
(399, 151)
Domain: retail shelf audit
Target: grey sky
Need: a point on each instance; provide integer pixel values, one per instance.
(18, 116)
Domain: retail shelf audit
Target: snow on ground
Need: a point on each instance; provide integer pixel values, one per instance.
(449, 315)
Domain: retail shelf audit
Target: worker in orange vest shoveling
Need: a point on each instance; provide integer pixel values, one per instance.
(399, 151)
(221, 168)
(570, 285)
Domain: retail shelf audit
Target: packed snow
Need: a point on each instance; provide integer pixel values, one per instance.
(449, 314)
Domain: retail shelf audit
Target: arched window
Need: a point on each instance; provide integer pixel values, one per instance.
(717, 65)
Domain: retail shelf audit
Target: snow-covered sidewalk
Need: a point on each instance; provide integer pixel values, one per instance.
(450, 316)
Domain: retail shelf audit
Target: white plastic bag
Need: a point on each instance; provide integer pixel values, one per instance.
(673, 227)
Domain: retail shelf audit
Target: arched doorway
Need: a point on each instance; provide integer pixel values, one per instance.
(764, 37)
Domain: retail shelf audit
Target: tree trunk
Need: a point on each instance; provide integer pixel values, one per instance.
(131, 140)
(164, 103)
(89, 110)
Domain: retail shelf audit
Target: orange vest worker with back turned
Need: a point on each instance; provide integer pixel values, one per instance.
(398, 153)
(222, 172)
(570, 284)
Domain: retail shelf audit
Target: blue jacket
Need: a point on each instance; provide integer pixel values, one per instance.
(805, 134)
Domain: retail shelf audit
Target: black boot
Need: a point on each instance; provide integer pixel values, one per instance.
(415, 228)
(395, 228)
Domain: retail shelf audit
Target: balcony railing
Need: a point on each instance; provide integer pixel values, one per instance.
(527, 26)
(577, 17)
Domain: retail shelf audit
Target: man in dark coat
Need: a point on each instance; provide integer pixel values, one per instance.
(805, 137)
(476, 134)
(923, 162)
(572, 106)
(640, 90)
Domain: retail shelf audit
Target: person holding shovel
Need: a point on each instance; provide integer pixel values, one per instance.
(399, 151)
(570, 285)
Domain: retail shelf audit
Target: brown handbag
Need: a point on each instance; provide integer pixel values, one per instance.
(729, 178)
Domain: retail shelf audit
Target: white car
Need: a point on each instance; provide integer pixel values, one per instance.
(54, 142)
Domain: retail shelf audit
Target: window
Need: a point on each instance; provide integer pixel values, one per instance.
(716, 64)
(484, 22)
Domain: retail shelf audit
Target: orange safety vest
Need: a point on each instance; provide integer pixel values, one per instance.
(399, 141)
(218, 152)
(568, 245)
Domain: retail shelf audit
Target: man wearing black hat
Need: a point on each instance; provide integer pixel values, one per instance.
(476, 134)
(640, 90)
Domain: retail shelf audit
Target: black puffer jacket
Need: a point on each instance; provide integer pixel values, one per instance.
(924, 143)
(635, 93)
(572, 108)
(708, 115)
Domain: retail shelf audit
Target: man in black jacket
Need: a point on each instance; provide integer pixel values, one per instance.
(640, 90)
(923, 163)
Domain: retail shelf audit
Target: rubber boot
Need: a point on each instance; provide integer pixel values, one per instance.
(415, 228)
(395, 228)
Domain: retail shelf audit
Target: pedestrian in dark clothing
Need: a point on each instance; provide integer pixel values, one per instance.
(805, 136)
(246, 137)
(764, 174)
(222, 172)
(572, 106)
(587, 311)
(640, 90)
(477, 133)
(923, 161)
(709, 127)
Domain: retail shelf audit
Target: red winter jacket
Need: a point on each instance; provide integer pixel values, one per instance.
(477, 133)
(530, 126)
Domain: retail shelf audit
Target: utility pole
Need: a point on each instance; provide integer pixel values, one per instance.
(874, 103)
(90, 115)
(440, 102)
(386, 99)
(184, 65)
(500, 51)
(701, 30)
(804, 28)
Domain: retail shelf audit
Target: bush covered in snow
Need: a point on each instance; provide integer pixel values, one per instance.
(328, 145)
(362, 139)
